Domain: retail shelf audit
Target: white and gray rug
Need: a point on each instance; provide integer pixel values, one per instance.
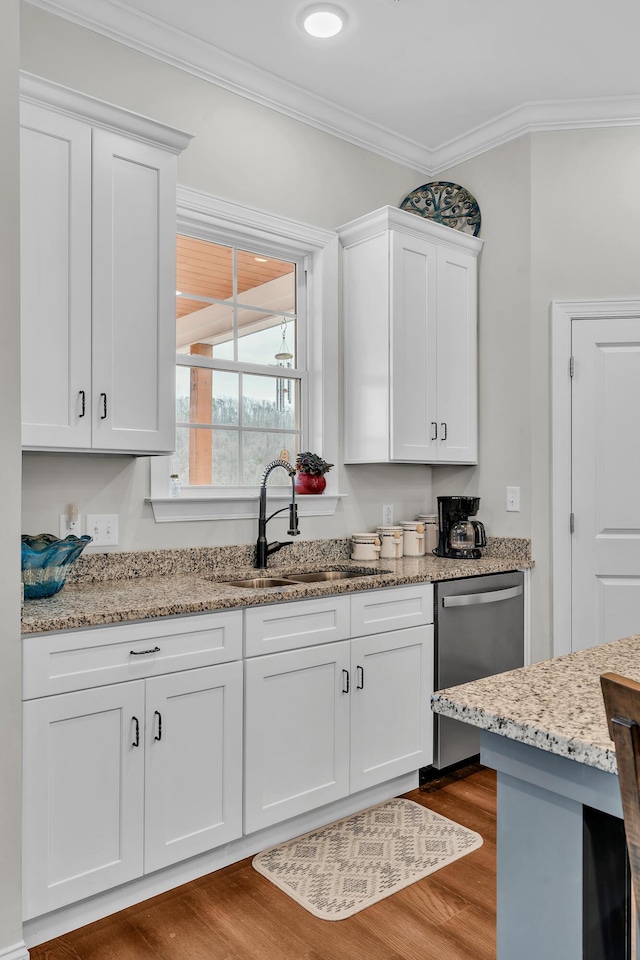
(346, 866)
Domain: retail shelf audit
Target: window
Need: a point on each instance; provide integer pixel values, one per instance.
(256, 358)
(241, 382)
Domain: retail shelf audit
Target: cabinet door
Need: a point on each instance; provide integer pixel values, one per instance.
(391, 720)
(134, 229)
(83, 794)
(296, 732)
(457, 405)
(55, 279)
(413, 348)
(193, 772)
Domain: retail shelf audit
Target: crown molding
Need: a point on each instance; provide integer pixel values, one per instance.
(113, 19)
(43, 92)
(534, 117)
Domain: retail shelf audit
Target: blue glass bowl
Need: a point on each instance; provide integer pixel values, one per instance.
(46, 560)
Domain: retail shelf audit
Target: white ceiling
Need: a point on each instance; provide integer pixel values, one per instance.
(423, 83)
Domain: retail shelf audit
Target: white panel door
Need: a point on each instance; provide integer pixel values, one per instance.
(457, 407)
(83, 794)
(605, 470)
(296, 732)
(134, 227)
(413, 348)
(193, 779)
(55, 279)
(391, 720)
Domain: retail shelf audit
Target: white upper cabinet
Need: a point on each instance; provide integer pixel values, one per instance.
(410, 318)
(98, 225)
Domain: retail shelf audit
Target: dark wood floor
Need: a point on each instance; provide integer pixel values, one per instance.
(235, 914)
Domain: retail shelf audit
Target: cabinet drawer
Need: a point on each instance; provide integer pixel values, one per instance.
(302, 623)
(60, 662)
(392, 609)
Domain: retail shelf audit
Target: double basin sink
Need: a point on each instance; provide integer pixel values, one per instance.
(319, 576)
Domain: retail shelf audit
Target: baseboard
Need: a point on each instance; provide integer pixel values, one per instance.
(40, 929)
(17, 952)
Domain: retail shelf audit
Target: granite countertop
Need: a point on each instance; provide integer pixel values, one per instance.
(116, 587)
(555, 705)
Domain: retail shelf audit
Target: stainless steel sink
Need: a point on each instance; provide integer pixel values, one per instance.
(259, 583)
(318, 576)
(321, 576)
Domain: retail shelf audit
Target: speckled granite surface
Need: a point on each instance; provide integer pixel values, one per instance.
(109, 588)
(555, 705)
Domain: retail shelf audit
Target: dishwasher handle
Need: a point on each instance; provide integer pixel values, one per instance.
(492, 596)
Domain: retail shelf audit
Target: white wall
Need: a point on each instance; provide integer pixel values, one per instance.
(10, 682)
(251, 155)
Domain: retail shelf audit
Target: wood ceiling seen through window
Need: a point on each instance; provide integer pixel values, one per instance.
(206, 270)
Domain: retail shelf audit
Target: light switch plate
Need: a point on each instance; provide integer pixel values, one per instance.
(103, 529)
(513, 499)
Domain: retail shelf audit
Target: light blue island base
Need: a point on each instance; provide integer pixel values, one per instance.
(563, 889)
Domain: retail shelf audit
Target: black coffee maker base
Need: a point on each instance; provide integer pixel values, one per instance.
(452, 554)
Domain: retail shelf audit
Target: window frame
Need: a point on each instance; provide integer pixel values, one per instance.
(316, 251)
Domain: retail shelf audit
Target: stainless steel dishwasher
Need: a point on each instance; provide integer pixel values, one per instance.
(479, 632)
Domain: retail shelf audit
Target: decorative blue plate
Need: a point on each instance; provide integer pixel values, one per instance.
(446, 203)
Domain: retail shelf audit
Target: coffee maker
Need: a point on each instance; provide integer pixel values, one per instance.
(460, 538)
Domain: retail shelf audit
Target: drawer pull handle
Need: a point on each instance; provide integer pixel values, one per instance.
(103, 415)
(83, 403)
(345, 679)
(143, 653)
(434, 435)
(136, 742)
(158, 735)
(360, 681)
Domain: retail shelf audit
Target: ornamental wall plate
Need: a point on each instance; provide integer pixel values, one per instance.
(446, 203)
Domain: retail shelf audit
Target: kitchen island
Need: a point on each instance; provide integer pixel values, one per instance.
(563, 888)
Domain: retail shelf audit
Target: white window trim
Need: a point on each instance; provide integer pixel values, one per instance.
(219, 221)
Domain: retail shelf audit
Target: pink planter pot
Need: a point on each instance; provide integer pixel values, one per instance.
(309, 483)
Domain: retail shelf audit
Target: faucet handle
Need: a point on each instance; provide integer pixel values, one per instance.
(293, 530)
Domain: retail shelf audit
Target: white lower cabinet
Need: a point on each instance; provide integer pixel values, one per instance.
(297, 732)
(123, 779)
(83, 794)
(392, 682)
(325, 721)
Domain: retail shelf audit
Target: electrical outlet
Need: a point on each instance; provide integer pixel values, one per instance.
(103, 529)
(513, 499)
(387, 515)
(68, 526)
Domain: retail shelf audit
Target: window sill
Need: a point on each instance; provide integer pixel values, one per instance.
(182, 509)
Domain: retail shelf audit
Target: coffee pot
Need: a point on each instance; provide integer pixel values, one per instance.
(459, 537)
(465, 535)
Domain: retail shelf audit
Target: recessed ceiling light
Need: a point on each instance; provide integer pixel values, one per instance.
(261, 259)
(323, 20)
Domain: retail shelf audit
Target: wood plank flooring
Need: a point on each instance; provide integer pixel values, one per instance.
(236, 914)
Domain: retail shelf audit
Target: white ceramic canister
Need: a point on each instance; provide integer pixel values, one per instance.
(413, 538)
(390, 542)
(431, 531)
(366, 546)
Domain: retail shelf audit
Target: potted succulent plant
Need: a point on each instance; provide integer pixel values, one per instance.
(310, 473)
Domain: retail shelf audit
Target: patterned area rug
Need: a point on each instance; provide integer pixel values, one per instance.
(340, 869)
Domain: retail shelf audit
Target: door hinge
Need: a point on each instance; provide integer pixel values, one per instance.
(572, 365)
(572, 522)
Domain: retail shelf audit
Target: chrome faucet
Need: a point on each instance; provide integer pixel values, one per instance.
(263, 549)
